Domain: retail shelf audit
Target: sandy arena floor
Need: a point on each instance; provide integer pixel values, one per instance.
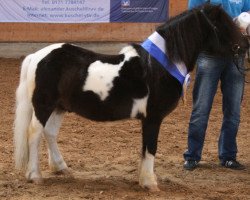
(104, 157)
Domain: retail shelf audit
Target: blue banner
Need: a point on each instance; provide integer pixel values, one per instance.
(83, 11)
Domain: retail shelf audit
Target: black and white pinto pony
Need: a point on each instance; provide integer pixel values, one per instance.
(143, 81)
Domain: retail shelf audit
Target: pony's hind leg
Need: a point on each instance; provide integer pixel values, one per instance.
(35, 131)
(56, 161)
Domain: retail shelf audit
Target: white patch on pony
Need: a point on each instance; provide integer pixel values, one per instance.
(34, 135)
(147, 177)
(148, 163)
(100, 78)
(128, 52)
(35, 59)
(51, 130)
(139, 106)
(101, 75)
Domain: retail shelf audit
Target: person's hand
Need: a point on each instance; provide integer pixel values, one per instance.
(243, 21)
(243, 30)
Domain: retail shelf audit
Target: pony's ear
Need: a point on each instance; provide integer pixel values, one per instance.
(210, 7)
(213, 11)
(217, 9)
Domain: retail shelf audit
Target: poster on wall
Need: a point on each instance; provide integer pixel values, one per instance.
(139, 11)
(83, 11)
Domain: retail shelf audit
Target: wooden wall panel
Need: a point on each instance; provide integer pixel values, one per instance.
(120, 32)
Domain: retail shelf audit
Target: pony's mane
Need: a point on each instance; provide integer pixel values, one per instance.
(188, 33)
(181, 38)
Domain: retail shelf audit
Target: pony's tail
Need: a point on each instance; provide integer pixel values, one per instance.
(23, 116)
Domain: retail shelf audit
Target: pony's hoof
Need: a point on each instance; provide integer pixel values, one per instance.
(37, 181)
(33, 177)
(153, 188)
(149, 182)
(66, 172)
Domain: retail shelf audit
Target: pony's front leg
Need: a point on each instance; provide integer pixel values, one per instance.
(150, 131)
(35, 131)
(56, 161)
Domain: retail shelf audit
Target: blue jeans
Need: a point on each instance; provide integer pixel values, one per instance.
(210, 70)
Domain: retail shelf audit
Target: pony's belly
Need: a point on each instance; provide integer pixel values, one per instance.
(104, 113)
(115, 108)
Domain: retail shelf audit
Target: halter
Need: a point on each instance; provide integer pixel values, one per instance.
(215, 29)
(208, 20)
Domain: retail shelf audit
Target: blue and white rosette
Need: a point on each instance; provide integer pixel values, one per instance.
(155, 45)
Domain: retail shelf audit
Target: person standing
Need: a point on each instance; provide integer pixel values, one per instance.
(210, 70)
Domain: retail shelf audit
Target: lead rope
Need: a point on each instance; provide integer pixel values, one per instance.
(242, 70)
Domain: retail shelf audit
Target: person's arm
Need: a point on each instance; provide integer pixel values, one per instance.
(195, 3)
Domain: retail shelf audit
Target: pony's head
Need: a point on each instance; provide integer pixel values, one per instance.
(223, 35)
(206, 28)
